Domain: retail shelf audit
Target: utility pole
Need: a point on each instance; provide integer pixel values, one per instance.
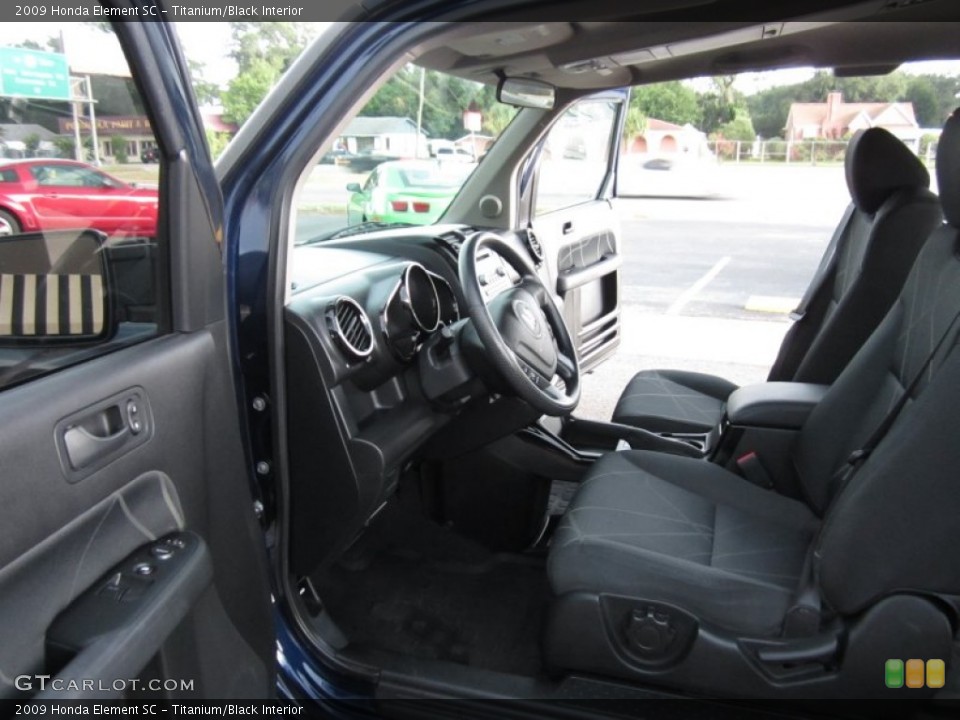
(423, 73)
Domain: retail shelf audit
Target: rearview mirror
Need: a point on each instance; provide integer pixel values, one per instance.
(522, 92)
(54, 289)
(354, 188)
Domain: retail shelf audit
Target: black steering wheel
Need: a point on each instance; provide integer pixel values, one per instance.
(521, 330)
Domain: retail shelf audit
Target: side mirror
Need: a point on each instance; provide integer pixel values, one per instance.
(55, 290)
(354, 188)
(522, 92)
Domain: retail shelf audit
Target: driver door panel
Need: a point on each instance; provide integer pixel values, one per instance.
(578, 229)
(582, 261)
(116, 443)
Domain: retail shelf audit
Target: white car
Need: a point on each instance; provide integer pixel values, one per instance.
(446, 154)
(679, 176)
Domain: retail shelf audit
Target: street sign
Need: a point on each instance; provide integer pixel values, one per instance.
(34, 74)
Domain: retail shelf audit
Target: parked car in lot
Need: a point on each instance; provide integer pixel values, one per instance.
(454, 154)
(404, 191)
(47, 194)
(678, 176)
(350, 468)
(361, 162)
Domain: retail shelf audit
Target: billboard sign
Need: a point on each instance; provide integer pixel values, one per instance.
(34, 74)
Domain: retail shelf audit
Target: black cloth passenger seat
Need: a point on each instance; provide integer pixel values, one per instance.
(655, 549)
(891, 215)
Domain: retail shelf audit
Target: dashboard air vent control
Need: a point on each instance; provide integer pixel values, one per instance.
(350, 327)
(536, 249)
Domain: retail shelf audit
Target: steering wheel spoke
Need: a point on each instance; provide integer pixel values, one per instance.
(535, 323)
(566, 367)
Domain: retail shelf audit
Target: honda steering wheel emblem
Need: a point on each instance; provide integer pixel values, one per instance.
(528, 317)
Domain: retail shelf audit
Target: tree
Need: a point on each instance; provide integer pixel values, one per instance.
(933, 96)
(65, 146)
(740, 128)
(217, 142)
(248, 89)
(263, 51)
(206, 91)
(497, 117)
(670, 101)
(119, 145)
(32, 143)
(445, 97)
(634, 124)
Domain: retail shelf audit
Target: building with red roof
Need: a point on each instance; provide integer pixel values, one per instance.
(835, 119)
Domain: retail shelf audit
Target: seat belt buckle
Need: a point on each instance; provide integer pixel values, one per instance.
(754, 471)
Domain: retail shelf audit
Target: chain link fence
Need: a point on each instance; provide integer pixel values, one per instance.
(805, 152)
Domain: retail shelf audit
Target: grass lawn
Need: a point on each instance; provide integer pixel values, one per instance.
(135, 172)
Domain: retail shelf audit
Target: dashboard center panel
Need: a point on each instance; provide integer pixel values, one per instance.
(374, 370)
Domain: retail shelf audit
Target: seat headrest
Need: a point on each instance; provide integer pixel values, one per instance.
(877, 165)
(948, 169)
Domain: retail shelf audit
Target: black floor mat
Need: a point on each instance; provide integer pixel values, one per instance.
(414, 588)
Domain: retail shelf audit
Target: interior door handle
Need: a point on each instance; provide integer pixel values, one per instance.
(98, 435)
(567, 228)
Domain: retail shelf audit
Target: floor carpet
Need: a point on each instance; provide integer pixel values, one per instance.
(414, 588)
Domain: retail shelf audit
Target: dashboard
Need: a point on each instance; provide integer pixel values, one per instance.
(372, 370)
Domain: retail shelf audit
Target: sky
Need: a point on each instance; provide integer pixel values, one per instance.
(208, 43)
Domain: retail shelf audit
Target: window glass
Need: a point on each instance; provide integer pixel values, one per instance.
(404, 158)
(79, 251)
(575, 156)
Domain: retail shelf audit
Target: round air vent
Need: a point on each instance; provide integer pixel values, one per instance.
(350, 327)
(536, 249)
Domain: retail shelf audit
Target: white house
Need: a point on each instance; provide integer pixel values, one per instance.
(394, 136)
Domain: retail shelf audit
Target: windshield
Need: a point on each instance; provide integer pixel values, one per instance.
(403, 159)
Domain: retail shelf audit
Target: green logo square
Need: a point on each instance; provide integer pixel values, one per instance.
(893, 673)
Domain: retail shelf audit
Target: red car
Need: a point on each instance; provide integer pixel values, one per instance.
(48, 194)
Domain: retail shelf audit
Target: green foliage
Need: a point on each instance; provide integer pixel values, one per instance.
(926, 106)
(65, 146)
(670, 101)
(817, 151)
(248, 89)
(32, 143)
(634, 124)
(217, 142)
(926, 140)
(263, 51)
(119, 145)
(116, 96)
(445, 98)
(206, 92)
(740, 128)
(934, 96)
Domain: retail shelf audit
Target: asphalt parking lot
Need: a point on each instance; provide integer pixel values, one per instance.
(706, 284)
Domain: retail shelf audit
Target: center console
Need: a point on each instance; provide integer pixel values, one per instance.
(601, 437)
(759, 430)
(754, 439)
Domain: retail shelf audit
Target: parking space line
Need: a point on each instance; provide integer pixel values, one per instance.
(771, 304)
(691, 292)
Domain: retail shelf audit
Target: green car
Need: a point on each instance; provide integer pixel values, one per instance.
(405, 191)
